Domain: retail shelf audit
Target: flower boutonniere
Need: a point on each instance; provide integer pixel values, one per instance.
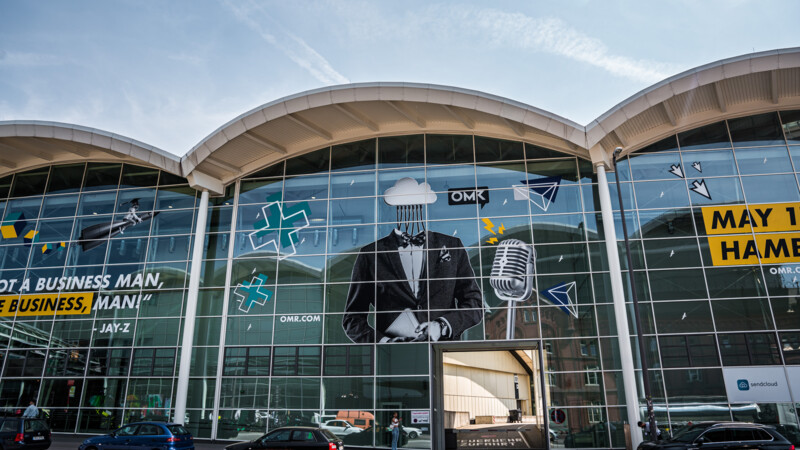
(444, 254)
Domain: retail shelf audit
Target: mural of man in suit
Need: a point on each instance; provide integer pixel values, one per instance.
(419, 283)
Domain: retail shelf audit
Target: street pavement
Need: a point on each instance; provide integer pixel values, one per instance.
(72, 441)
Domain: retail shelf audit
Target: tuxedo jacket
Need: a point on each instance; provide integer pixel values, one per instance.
(447, 288)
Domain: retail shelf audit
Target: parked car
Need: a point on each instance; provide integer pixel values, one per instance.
(412, 432)
(139, 435)
(723, 435)
(340, 427)
(24, 433)
(306, 438)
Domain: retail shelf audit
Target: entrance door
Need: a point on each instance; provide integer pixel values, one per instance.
(488, 395)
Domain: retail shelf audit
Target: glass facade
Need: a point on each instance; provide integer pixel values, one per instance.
(307, 289)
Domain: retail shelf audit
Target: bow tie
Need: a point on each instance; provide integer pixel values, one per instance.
(404, 239)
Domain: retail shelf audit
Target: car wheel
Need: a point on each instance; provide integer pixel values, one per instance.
(413, 435)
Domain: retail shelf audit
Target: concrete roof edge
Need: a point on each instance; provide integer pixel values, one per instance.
(106, 134)
(389, 84)
(686, 74)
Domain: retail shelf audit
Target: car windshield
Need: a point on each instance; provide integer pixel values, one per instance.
(688, 435)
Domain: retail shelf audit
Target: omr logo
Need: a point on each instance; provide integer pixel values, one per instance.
(743, 385)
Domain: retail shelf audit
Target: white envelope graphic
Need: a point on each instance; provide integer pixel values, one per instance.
(540, 195)
(563, 296)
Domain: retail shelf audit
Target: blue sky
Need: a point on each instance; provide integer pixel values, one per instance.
(168, 73)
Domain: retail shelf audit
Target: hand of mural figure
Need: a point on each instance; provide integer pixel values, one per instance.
(426, 329)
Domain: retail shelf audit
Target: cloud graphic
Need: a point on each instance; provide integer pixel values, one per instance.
(406, 191)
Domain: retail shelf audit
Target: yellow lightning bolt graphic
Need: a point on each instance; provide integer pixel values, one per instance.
(502, 228)
(492, 240)
(489, 225)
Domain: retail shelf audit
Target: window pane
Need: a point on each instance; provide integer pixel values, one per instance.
(709, 136)
(770, 188)
(710, 163)
(683, 317)
(353, 156)
(488, 149)
(677, 284)
(406, 392)
(744, 314)
(655, 166)
(31, 182)
(694, 385)
(101, 176)
(754, 161)
(313, 162)
(294, 393)
(401, 151)
(748, 349)
(404, 359)
(66, 178)
(348, 392)
(448, 149)
(751, 131)
(790, 345)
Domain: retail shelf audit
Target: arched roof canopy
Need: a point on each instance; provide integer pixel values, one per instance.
(29, 144)
(311, 120)
(734, 87)
(297, 124)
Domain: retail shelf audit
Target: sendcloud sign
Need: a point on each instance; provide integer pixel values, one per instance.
(745, 385)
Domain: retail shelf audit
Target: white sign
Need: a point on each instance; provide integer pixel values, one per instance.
(420, 417)
(793, 373)
(756, 384)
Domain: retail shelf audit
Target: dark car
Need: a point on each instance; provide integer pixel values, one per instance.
(293, 437)
(21, 432)
(723, 435)
(140, 435)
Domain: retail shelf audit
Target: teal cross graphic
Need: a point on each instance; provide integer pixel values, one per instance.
(252, 293)
(280, 220)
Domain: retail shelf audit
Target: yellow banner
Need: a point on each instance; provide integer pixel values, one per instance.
(759, 218)
(47, 304)
(774, 248)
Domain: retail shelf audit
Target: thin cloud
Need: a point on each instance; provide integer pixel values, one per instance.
(20, 59)
(291, 45)
(455, 24)
(552, 35)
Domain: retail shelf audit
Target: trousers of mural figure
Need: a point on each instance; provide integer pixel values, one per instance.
(419, 283)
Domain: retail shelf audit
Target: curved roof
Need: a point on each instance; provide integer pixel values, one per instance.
(26, 144)
(739, 86)
(314, 119)
(293, 125)
(733, 87)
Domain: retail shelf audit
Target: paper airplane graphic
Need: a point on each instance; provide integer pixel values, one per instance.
(562, 295)
(541, 191)
(700, 188)
(676, 170)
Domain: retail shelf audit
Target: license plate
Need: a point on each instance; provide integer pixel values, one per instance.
(38, 438)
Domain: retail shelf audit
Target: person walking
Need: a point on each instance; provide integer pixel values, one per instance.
(395, 427)
(645, 426)
(31, 411)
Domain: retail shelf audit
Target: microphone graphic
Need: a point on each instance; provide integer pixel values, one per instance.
(512, 276)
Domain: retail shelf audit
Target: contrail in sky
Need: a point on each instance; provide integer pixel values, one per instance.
(255, 17)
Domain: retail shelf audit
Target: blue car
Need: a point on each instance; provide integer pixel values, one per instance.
(143, 435)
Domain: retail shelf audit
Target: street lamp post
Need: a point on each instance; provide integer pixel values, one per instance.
(651, 418)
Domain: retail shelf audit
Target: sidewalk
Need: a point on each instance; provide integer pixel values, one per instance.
(72, 441)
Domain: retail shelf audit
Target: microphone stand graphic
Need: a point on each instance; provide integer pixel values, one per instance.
(512, 277)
